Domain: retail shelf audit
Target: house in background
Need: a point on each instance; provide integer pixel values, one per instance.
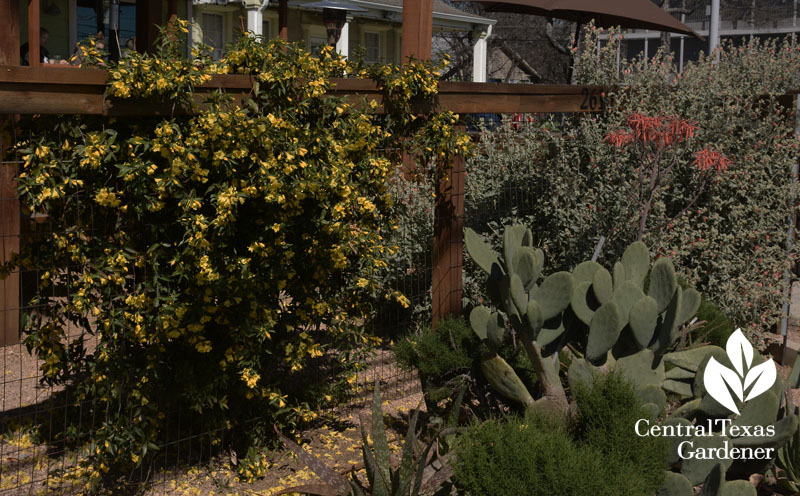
(765, 19)
(375, 30)
(70, 21)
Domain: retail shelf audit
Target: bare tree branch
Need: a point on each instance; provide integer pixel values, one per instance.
(552, 39)
(519, 61)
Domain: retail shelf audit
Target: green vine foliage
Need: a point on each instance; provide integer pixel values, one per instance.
(216, 260)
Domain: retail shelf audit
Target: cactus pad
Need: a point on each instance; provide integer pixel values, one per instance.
(690, 304)
(602, 286)
(495, 330)
(527, 264)
(554, 294)
(479, 321)
(584, 271)
(643, 318)
(697, 470)
(579, 304)
(604, 330)
(675, 485)
(663, 283)
(691, 359)
(625, 295)
(636, 260)
(738, 488)
(518, 295)
(480, 251)
(504, 380)
(534, 318)
(640, 370)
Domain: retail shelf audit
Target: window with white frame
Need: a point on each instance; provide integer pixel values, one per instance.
(316, 43)
(214, 33)
(266, 30)
(372, 46)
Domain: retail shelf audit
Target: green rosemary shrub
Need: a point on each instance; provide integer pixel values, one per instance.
(597, 452)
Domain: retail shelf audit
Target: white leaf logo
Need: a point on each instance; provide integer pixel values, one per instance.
(763, 376)
(720, 381)
(715, 378)
(739, 348)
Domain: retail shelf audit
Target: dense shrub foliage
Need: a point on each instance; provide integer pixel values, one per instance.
(217, 255)
(730, 243)
(596, 452)
(448, 359)
(449, 349)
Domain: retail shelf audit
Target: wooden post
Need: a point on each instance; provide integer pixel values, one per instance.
(148, 18)
(9, 244)
(9, 203)
(33, 34)
(9, 32)
(417, 31)
(283, 20)
(448, 239)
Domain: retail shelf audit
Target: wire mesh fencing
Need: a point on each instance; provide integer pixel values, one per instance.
(39, 423)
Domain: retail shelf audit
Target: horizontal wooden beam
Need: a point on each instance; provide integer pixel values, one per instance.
(70, 90)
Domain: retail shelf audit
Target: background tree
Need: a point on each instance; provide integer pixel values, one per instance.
(534, 45)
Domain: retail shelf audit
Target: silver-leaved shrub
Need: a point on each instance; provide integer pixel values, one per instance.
(563, 178)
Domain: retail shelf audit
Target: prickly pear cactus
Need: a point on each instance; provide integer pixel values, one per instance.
(529, 303)
(600, 314)
(620, 316)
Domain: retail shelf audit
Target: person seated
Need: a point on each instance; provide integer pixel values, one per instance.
(130, 47)
(44, 54)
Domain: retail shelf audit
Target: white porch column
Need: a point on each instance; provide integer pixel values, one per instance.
(479, 56)
(190, 36)
(713, 29)
(343, 45)
(255, 21)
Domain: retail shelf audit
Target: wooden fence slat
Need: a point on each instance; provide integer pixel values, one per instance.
(9, 244)
(9, 32)
(448, 241)
(34, 53)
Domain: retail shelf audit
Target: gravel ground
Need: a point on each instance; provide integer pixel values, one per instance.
(336, 438)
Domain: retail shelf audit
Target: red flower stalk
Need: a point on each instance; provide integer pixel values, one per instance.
(709, 159)
(619, 139)
(647, 139)
(661, 131)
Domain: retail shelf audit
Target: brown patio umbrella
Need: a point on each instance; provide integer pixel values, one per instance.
(635, 14)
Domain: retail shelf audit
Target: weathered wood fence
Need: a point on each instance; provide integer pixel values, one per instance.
(68, 90)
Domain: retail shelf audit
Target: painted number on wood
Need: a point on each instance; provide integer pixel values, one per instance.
(593, 100)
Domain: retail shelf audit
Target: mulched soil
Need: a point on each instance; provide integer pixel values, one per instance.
(335, 438)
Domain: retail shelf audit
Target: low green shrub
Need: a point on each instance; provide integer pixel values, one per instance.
(605, 418)
(597, 452)
(718, 326)
(534, 456)
(447, 360)
(439, 353)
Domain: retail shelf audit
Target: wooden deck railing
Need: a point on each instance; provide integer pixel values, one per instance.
(69, 90)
